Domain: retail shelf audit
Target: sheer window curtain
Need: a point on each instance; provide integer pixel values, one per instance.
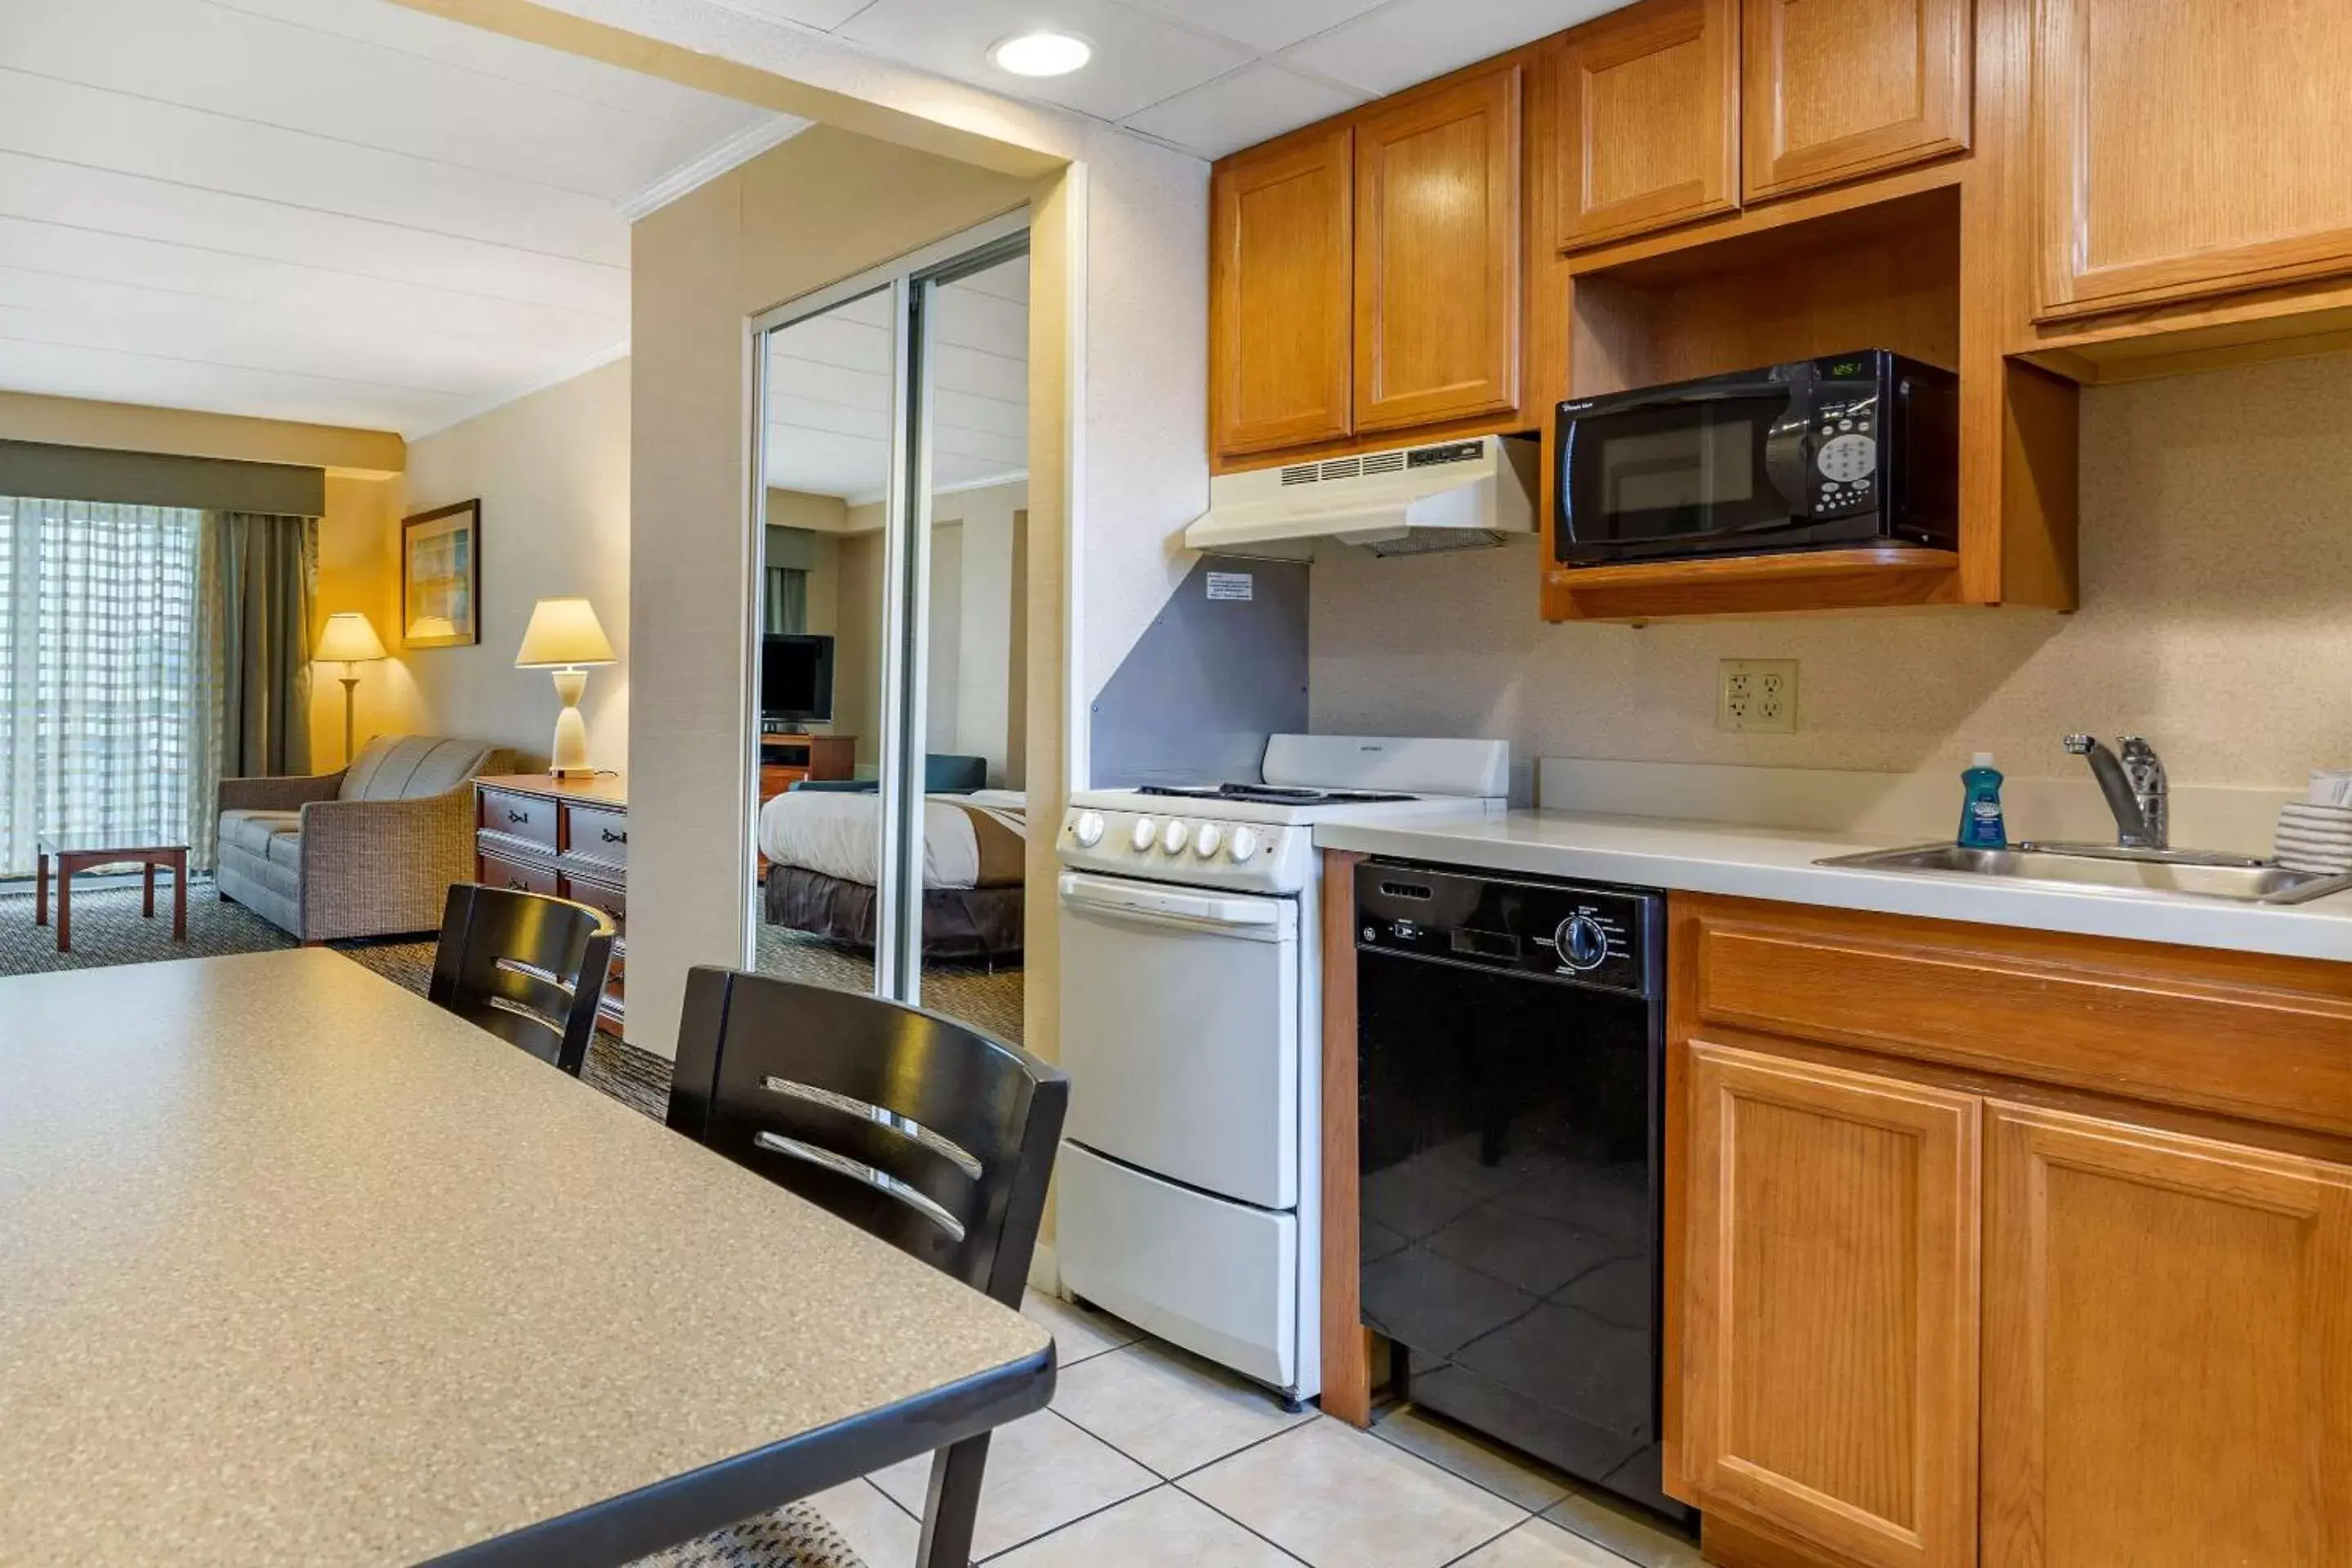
(787, 599)
(104, 715)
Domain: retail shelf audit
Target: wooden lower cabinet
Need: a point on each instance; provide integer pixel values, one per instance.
(2167, 1350)
(1829, 1370)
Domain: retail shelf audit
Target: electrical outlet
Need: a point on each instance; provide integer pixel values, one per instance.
(1757, 695)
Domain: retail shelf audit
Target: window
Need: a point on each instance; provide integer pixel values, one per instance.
(103, 710)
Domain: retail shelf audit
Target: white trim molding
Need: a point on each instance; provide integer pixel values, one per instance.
(733, 152)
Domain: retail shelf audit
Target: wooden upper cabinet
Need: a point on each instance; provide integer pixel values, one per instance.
(1281, 265)
(2187, 147)
(1836, 89)
(1438, 301)
(1829, 1338)
(2167, 1350)
(1648, 111)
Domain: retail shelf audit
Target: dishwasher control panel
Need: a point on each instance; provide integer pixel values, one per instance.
(1604, 937)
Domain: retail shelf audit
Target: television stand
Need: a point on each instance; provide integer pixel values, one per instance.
(786, 759)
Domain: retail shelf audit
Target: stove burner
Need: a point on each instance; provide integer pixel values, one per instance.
(1274, 795)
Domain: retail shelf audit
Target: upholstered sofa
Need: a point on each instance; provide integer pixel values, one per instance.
(369, 851)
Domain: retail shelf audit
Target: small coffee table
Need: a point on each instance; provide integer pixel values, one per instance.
(79, 852)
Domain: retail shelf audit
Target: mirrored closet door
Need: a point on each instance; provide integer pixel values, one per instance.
(888, 671)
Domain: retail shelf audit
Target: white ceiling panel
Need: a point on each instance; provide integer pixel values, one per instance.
(1243, 109)
(344, 211)
(1139, 58)
(1407, 41)
(1265, 25)
(823, 14)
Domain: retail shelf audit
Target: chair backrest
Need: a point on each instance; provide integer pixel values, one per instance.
(526, 967)
(409, 767)
(787, 1080)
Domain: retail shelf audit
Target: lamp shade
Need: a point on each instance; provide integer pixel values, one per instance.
(564, 632)
(349, 637)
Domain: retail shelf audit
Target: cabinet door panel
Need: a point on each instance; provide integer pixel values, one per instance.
(2167, 1350)
(1280, 311)
(2187, 147)
(1830, 1345)
(1837, 89)
(1648, 103)
(1438, 301)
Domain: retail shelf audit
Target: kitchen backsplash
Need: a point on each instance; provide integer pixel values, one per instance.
(2215, 620)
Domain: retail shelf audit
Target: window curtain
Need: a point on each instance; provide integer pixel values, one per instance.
(258, 578)
(102, 714)
(787, 599)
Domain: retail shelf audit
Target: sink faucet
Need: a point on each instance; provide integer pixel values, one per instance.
(2135, 787)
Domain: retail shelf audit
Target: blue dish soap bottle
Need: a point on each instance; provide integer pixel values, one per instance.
(1981, 827)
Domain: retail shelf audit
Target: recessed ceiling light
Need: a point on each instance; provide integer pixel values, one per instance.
(1042, 53)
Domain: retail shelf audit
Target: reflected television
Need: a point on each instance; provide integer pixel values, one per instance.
(795, 680)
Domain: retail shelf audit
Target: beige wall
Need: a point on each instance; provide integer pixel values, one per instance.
(552, 474)
(820, 207)
(2215, 620)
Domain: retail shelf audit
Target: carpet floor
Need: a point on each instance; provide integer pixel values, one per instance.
(987, 998)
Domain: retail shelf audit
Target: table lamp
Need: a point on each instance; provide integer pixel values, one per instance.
(562, 636)
(349, 638)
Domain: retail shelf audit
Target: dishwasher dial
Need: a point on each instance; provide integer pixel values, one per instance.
(1245, 845)
(1147, 833)
(1088, 829)
(1178, 835)
(1581, 944)
(1209, 840)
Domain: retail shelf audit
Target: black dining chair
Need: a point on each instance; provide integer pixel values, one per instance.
(791, 1080)
(527, 967)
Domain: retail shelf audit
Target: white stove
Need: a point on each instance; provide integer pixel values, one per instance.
(1191, 1009)
(1259, 837)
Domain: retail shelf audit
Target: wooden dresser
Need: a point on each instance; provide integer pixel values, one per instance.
(786, 759)
(568, 837)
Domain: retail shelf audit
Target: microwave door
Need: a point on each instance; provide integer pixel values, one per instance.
(1681, 472)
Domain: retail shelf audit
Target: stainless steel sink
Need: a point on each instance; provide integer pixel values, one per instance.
(2154, 873)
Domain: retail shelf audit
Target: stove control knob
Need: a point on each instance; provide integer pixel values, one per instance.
(1581, 944)
(1209, 840)
(1088, 829)
(1177, 837)
(1244, 847)
(1147, 833)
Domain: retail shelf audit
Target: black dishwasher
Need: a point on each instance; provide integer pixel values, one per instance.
(1511, 1059)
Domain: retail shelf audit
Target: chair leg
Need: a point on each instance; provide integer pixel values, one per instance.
(953, 1505)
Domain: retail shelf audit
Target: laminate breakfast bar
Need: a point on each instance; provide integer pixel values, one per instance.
(301, 1269)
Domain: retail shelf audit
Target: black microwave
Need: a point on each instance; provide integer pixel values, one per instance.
(1850, 450)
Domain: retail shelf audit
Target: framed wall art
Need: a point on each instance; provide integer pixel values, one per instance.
(441, 576)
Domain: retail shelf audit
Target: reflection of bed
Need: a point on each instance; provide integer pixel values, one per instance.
(825, 849)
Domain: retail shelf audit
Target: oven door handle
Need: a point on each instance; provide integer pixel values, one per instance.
(1252, 919)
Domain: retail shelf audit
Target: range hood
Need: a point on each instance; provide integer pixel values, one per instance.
(1408, 501)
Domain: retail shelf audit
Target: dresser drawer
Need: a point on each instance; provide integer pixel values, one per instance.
(604, 897)
(529, 818)
(598, 834)
(499, 871)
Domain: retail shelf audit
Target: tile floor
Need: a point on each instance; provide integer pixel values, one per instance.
(1152, 1458)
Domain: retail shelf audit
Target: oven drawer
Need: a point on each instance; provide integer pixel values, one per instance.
(1219, 1278)
(1181, 1031)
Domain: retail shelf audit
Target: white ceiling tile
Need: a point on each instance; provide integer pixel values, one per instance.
(1262, 24)
(1138, 60)
(1240, 110)
(110, 377)
(1410, 41)
(823, 14)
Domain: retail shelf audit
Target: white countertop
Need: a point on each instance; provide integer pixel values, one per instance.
(1774, 863)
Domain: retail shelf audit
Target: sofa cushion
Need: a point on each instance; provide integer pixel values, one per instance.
(409, 767)
(252, 831)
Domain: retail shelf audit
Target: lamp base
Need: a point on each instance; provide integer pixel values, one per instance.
(568, 758)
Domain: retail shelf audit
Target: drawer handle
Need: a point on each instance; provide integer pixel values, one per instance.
(518, 885)
(514, 815)
(613, 837)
